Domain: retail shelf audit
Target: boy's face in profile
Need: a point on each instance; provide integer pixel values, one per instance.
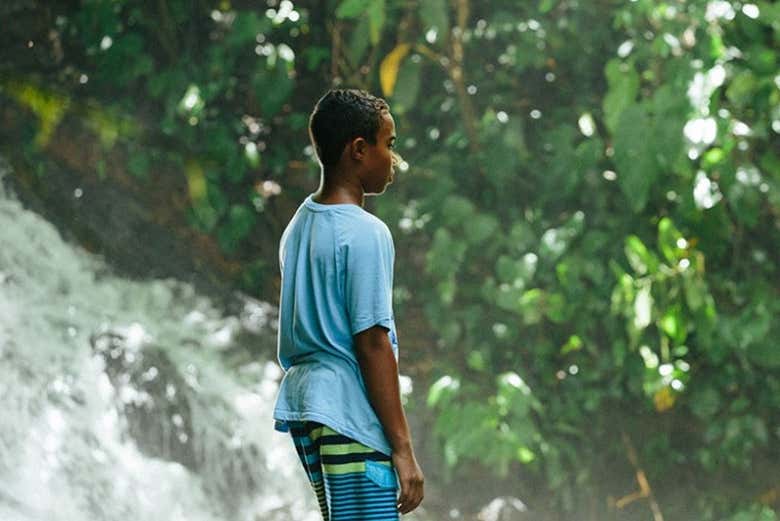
(380, 158)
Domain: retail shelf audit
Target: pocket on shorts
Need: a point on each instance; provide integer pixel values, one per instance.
(382, 475)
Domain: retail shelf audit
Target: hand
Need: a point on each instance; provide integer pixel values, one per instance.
(411, 480)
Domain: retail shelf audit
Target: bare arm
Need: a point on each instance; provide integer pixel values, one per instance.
(380, 373)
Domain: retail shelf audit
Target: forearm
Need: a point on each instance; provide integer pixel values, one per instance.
(380, 374)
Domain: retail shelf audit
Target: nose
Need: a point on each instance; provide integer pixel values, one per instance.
(397, 159)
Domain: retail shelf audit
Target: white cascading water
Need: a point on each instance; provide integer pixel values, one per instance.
(65, 454)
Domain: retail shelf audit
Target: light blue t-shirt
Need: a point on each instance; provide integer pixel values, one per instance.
(337, 278)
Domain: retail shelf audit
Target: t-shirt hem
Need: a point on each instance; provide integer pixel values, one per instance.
(282, 416)
(364, 324)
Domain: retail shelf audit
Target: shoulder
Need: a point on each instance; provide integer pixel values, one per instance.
(291, 230)
(360, 229)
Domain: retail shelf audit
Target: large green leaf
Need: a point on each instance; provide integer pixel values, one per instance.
(670, 240)
(623, 85)
(445, 254)
(352, 8)
(434, 15)
(480, 228)
(407, 85)
(376, 19)
(546, 6)
(669, 107)
(635, 156)
(530, 305)
(456, 210)
(444, 386)
(506, 269)
(359, 41)
(640, 258)
(674, 324)
(643, 307)
(742, 88)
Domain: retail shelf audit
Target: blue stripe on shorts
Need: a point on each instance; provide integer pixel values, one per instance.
(352, 482)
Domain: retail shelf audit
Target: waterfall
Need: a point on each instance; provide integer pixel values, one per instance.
(126, 400)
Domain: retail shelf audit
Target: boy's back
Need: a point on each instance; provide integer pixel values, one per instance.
(337, 274)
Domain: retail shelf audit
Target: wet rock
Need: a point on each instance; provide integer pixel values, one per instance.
(169, 416)
(149, 387)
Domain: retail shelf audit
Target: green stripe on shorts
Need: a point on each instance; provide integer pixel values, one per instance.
(344, 448)
(344, 468)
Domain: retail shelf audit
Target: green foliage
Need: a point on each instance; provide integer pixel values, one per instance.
(374, 11)
(435, 16)
(606, 295)
(352, 8)
(754, 513)
(407, 85)
(623, 84)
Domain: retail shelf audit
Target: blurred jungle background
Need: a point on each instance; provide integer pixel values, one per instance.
(586, 220)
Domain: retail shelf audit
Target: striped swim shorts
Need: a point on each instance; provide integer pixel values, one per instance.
(353, 482)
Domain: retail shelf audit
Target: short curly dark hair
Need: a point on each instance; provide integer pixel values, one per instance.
(340, 116)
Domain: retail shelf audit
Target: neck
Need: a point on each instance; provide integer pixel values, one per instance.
(338, 188)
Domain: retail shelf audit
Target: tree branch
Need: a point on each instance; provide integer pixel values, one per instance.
(335, 52)
(455, 70)
(644, 492)
(167, 30)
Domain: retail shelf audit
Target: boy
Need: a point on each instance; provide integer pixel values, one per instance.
(340, 396)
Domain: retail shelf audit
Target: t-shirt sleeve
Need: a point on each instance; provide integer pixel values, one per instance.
(368, 288)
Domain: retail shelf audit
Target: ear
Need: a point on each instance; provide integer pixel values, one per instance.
(357, 148)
